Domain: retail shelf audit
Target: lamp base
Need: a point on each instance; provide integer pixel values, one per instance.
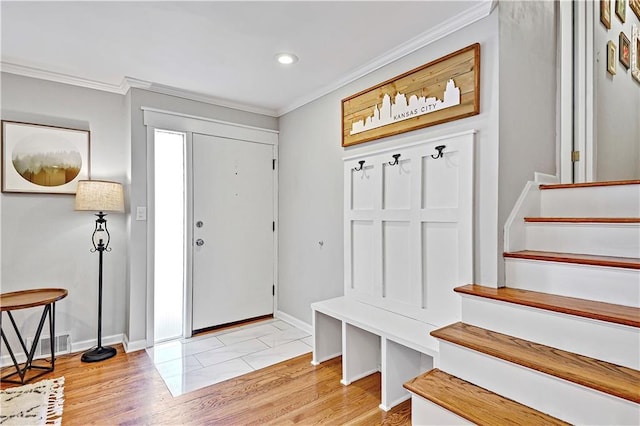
(98, 354)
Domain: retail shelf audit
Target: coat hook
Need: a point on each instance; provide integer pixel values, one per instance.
(439, 148)
(361, 162)
(395, 159)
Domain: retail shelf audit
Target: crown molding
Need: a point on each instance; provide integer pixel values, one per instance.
(26, 71)
(480, 11)
(196, 96)
(128, 83)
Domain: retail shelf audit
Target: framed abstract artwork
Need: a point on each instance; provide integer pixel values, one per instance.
(635, 53)
(624, 53)
(635, 6)
(605, 13)
(611, 57)
(621, 10)
(43, 159)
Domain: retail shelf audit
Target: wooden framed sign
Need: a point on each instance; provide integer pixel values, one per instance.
(443, 90)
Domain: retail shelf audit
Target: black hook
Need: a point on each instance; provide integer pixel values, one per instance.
(361, 162)
(395, 159)
(439, 148)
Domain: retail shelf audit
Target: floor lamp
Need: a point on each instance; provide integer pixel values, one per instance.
(99, 196)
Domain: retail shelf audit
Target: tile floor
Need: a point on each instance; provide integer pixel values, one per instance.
(189, 364)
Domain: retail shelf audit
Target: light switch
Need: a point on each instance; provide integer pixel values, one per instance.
(141, 213)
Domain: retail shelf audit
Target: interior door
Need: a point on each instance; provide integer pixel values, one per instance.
(233, 213)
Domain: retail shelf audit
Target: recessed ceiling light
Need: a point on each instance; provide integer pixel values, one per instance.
(286, 58)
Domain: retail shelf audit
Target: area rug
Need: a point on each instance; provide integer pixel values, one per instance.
(34, 404)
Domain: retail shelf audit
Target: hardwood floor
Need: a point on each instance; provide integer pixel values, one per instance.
(127, 390)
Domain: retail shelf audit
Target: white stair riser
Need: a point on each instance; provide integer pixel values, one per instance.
(598, 201)
(425, 412)
(559, 398)
(617, 344)
(621, 240)
(612, 285)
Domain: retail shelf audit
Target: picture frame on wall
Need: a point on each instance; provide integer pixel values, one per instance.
(635, 7)
(605, 13)
(443, 90)
(43, 159)
(624, 52)
(621, 10)
(611, 57)
(635, 53)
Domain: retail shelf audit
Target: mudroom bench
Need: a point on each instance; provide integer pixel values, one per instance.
(372, 339)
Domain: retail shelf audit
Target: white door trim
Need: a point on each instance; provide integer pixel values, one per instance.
(565, 78)
(207, 126)
(582, 117)
(576, 82)
(188, 234)
(150, 334)
(189, 124)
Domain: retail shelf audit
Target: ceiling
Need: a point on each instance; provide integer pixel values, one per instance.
(221, 51)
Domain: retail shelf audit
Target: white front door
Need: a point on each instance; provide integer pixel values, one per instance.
(233, 234)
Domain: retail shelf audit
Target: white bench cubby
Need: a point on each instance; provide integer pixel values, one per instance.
(408, 241)
(372, 339)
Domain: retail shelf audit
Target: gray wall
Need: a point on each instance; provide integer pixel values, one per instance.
(616, 105)
(44, 240)
(45, 243)
(527, 99)
(311, 176)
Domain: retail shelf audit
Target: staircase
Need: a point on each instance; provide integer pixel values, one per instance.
(561, 342)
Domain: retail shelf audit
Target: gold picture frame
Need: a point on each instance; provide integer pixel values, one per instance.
(635, 7)
(624, 50)
(611, 57)
(621, 10)
(43, 159)
(635, 53)
(605, 13)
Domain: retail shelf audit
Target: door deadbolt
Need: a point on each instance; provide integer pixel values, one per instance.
(199, 224)
(199, 242)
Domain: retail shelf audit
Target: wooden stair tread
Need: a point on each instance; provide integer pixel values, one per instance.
(476, 404)
(589, 184)
(582, 220)
(583, 259)
(618, 314)
(612, 379)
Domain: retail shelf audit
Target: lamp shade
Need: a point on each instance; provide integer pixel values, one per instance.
(99, 196)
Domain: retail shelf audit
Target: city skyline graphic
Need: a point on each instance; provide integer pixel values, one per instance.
(403, 109)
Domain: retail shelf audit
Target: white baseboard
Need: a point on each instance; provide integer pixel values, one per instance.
(88, 344)
(294, 321)
(544, 178)
(82, 346)
(136, 345)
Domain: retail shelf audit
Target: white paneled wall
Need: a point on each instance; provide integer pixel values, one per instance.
(409, 227)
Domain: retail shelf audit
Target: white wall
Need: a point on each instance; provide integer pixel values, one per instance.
(311, 192)
(616, 104)
(45, 242)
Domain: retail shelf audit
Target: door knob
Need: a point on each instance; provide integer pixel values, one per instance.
(199, 242)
